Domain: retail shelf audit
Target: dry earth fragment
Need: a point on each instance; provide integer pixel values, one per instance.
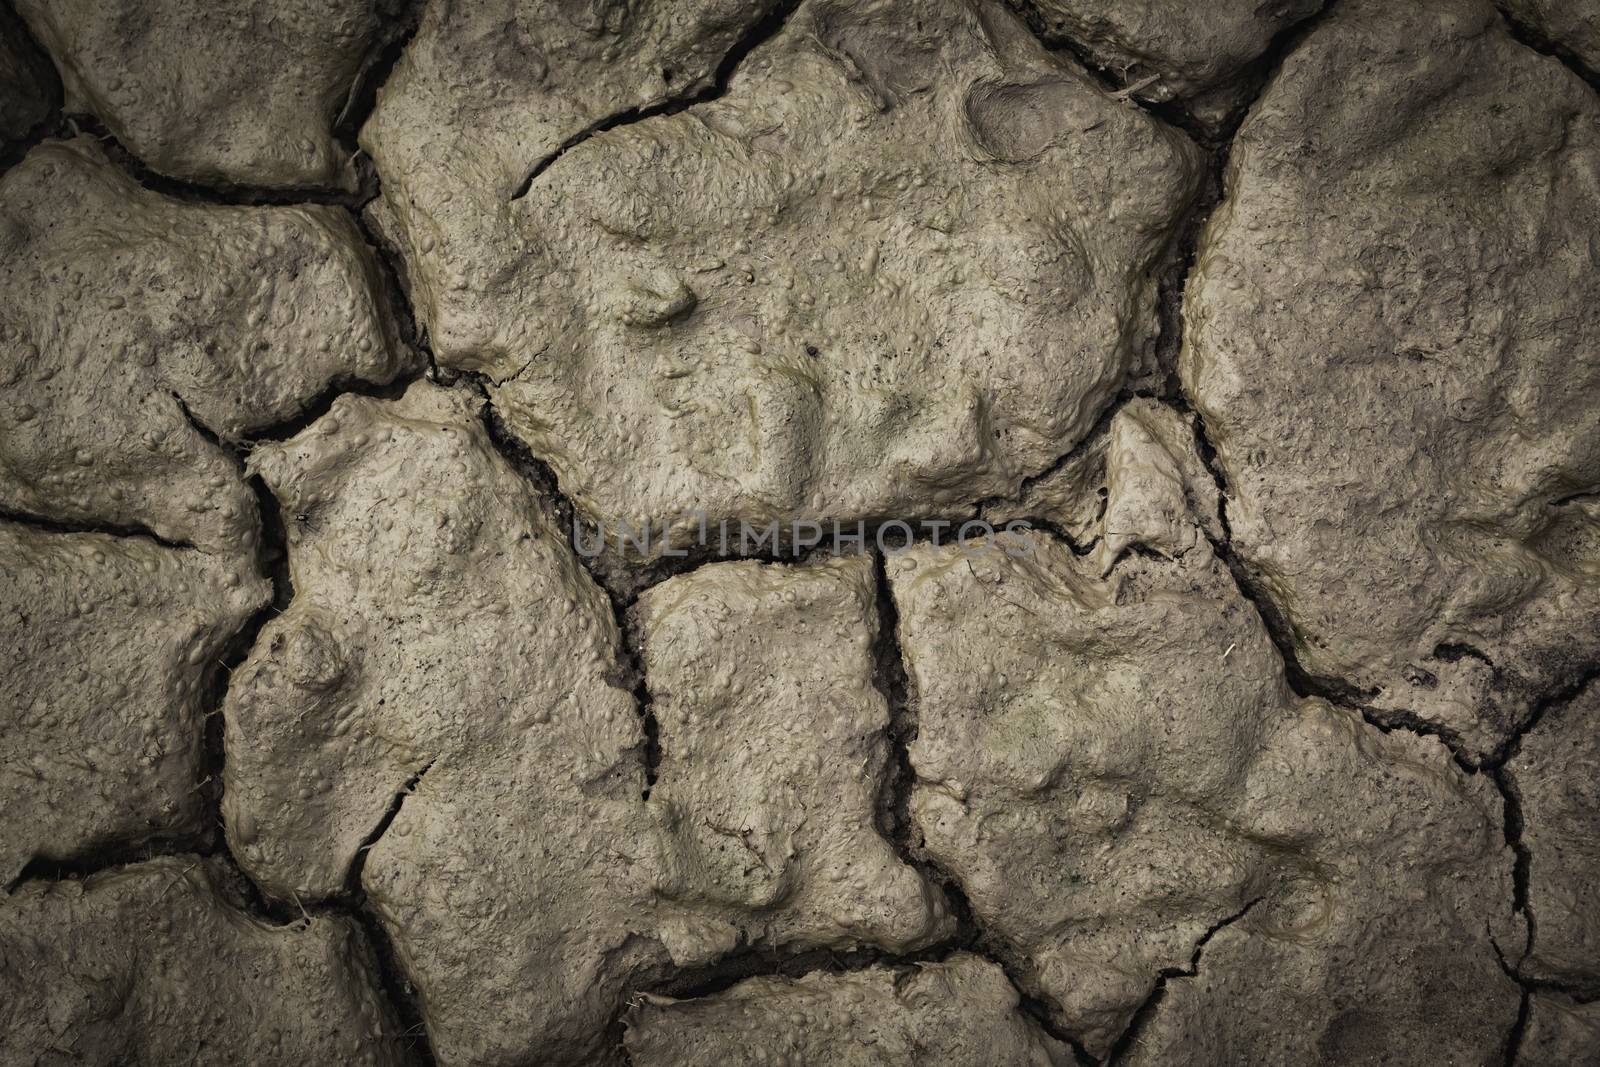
(1390, 339)
(228, 92)
(111, 643)
(27, 82)
(1556, 776)
(956, 1013)
(133, 325)
(1163, 49)
(1381, 937)
(1111, 764)
(1561, 1032)
(487, 92)
(1573, 26)
(444, 653)
(904, 261)
(774, 751)
(151, 964)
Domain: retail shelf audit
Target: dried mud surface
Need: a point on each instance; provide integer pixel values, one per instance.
(1234, 368)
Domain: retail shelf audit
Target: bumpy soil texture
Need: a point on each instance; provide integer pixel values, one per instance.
(351, 349)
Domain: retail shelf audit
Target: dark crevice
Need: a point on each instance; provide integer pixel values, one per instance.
(1586, 496)
(1170, 112)
(644, 701)
(52, 127)
(397, 987)
(1302, 682)
(1455, 652)
(321, 404)
(767, 961)
(1499, 771)
(397, 293)
(1532, 38)
(763, 961)
(15, 29)
(760, 33)
(107, 529)
(1554, 700)
(1519, 1026)
(1582, 992)
(273, 555)
(228, 194)
(1090, 440)
(1146, 1011)
(1513, 826)
(889, 675)
(109, 857)
(358, 862)
(1519, 1029)
(200, 428)
(895, 823)
(629, 651)
(401, 18)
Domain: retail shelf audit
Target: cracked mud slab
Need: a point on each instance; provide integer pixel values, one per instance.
(952, 1014)
(1555, 775)
(774, 750)
(135, 329)
(153, 964)
(1111, 764)
(445, 656)
(227, 92)
(1388, 339)
(846, 288)
(112, 643)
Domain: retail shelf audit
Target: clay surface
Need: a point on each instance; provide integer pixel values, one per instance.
(152, 964)
(952, 1014)
(1111, 764)
(134, 328)
(359, 708)
(847, 288)
(224, 92)
(1387, 339)
(112, 643)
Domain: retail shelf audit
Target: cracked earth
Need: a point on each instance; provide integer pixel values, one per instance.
(1263, 731)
